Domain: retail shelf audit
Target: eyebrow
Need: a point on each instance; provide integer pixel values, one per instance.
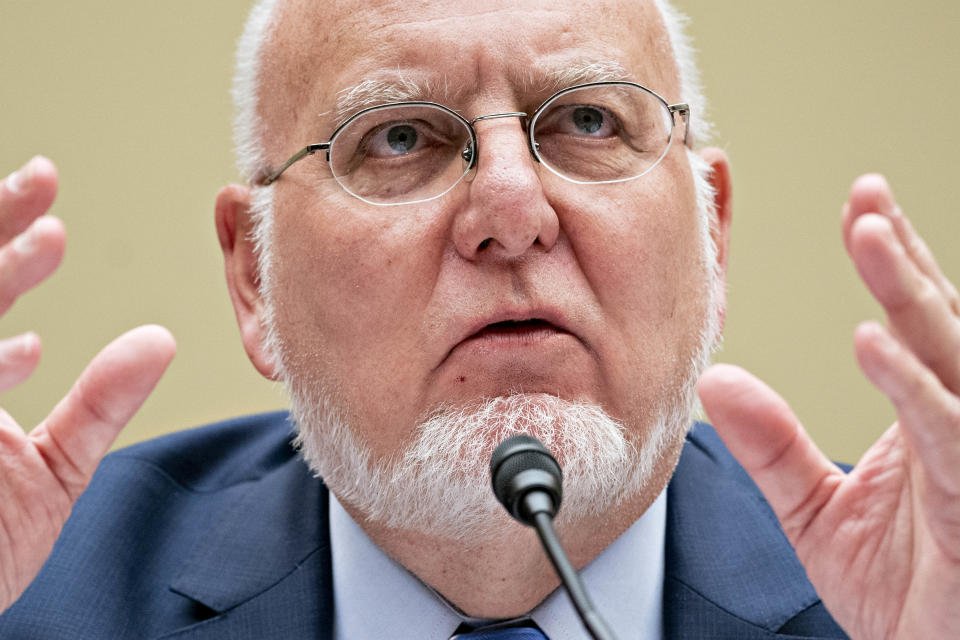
(397, 87)
(578, 72)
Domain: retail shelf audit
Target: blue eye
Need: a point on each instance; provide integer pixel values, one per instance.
(579, 120)
(402, 138)
(587, 120)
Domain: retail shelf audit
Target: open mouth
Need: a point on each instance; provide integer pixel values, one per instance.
(516, 328)
(514, 337)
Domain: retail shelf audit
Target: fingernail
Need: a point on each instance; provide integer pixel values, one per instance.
(19, 180)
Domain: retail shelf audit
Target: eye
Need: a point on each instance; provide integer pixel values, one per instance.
(586, 120)
(402, 138)
(393, 139)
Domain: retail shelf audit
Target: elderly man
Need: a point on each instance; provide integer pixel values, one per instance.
(461, 224)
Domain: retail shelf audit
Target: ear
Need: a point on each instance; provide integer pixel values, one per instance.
(234, 226)
(723, 207)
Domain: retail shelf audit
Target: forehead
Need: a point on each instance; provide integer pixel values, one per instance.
(499, 54)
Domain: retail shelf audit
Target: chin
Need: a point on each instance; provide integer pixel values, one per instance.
(439, 485)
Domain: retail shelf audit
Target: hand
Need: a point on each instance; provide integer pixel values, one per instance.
(882, 544)
(43, 473)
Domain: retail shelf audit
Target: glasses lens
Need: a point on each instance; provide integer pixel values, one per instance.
(604, 133)
(400, 153)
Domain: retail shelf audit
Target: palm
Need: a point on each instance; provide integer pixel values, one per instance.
(882, 543)
(854, 548)
(43, 473)
(35, 506)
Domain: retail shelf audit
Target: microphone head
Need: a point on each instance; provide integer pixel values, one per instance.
(521, 464)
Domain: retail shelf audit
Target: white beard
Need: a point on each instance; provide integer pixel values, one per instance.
(439, 485)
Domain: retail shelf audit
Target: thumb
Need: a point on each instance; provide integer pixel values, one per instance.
(763, 433)
(81, 428)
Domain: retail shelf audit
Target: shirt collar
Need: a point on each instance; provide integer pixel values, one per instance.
(374, 595)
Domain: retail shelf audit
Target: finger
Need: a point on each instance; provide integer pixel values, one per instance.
(916, 309)
(869, 193)
(30, 258)
(25, 195)
(18, 358)
(872, 194)
(81, 428)
(922, 256)
(929, 414)
(765, 436)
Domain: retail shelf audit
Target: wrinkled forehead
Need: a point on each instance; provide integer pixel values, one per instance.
(327, 58)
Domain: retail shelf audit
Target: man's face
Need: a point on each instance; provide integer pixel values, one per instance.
(516, 280)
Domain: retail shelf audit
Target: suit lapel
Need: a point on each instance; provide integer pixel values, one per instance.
(730, 571)
(262, 568)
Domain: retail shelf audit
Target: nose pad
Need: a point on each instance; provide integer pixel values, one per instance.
(467, 155)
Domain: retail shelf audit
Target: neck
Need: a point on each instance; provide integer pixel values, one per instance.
(507, 574)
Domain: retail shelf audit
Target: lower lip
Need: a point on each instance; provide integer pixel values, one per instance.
(500, 360)
(509, 339)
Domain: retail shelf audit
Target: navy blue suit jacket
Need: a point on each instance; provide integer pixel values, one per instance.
(221, 532)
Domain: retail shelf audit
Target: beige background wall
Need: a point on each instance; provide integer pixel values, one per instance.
(131, 101)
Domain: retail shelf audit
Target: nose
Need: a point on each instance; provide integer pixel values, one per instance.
(507, 212)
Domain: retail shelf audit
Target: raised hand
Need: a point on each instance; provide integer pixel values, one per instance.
(43, 473)
(881, 544)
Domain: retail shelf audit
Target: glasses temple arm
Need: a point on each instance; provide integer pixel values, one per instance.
(684, 110)
(308, 150)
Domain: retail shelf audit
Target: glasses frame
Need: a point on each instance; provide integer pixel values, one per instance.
(469, 154)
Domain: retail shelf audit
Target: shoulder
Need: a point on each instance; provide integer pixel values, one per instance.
(728, 560)
(158, 512)
(212, 457)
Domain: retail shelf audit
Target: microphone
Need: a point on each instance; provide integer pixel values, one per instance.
(526, 479)
(528, 482)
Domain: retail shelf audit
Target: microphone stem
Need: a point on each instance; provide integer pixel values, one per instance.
(598, 629)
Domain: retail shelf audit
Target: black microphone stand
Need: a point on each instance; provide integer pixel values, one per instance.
(527, 482)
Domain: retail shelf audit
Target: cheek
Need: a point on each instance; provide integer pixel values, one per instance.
(639, 250)
(352, 289)
(639, 247)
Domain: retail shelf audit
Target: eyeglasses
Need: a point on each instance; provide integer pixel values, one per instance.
(409, 152)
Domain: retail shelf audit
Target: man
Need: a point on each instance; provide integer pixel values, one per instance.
(543, 252)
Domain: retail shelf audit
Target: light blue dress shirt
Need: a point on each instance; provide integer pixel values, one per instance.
(376, 597)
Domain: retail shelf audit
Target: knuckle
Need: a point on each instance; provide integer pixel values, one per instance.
(11, 439)
(926, 295)
(913, 388)
(918, 249)
(92, 405)
(69, 474)
(953, 299)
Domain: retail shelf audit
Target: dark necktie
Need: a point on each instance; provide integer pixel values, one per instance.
(502, 633)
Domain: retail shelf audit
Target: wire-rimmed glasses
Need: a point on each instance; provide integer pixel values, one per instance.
(409, 152)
